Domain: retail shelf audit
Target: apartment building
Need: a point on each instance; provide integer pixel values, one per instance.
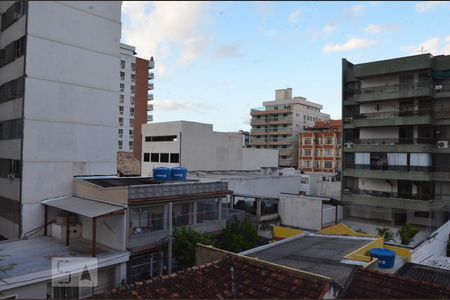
(198, 148)
(135, 99)
(58, 103)
(278, 124)
(396, 131)
(320, 147)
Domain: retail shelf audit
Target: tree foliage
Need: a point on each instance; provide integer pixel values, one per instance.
(185, 239)
(386, 233)
(238, 236)
(407, 233)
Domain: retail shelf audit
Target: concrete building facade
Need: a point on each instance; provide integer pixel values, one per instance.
(197, 147)
(59, 80)
(278, 123)
(135, 100)
(396, 130)
(320, 147)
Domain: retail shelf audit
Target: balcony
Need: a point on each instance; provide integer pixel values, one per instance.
(150, 97)
(150, 86)
(151, 75)
(285, 152)
(271, 121)
(285, 162)
(271, 141)
(149, 118)
(393, 92)
(149, 107)
(271, 131)
(258, 111)
(151, 64)
(442, 90)
(419, 173)
(391, 145)
(390, 118)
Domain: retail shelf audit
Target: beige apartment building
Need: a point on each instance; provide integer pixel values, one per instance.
(277, 125)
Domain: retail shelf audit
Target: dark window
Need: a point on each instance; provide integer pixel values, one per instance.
(11, 129)
(164, 138)
(10, 168)
(13, 13)
(12, 89)
(155, 157)
(146, 156)
(423, 214)
(174, 158)
(164, 157)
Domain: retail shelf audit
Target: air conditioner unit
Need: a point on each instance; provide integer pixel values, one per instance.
(438, 87)
(442, 144)
(348, 145)
(11, 176)
(348, 119)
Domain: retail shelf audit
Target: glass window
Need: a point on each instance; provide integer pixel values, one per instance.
(155, 157)
(174, 158)
(122, 64)
(122, 75)
(207, 210)
(307, 152)
(164, 157)
(328, 164)
(307, 142)
(328, 152)
(146, 219)
(146, 156)
(182, 214)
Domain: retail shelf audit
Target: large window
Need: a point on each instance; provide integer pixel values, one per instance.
(306, 152)
(164, 157)
(328, 152)
(13, 13)
(164, 138)
(155, 157)
(10, 168)
(12, 89)
(207, 210)
(146, 219)
(146, 156)
(174, 158)
(11, 129)
(182, 214)
(328, 164)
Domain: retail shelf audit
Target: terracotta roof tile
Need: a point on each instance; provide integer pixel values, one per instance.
(252, 279)
(369, 284)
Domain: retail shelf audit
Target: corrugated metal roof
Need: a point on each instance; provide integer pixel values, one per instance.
(425, 273)
(82, 206)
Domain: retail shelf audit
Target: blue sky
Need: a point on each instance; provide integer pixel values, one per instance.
(216, 60)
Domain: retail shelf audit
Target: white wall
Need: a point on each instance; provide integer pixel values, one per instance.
(253, 159)
(32, 291)
(329, 214)
(266, 186)
(113, 239)
(71, 97)
(435, 245)
(301, 211)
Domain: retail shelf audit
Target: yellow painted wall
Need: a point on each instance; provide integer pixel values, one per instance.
(342, 229)
(280, 233)
(362, 254)
(402, 252)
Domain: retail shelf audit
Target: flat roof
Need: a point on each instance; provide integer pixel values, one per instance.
(104, 181)
(314, 253)
(32, 258)
(82, 206)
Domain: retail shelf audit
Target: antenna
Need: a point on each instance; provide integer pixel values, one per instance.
(422, 50)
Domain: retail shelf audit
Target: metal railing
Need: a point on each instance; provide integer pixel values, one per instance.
(270, 119)
(394, 87)
(386, 167)
(393, 114)
(393, 141)
(271, 130)
(269, 140)
(410, 196)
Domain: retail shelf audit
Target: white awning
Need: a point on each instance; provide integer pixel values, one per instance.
(83, 206)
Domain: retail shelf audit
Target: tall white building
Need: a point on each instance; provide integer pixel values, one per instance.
(59, 82)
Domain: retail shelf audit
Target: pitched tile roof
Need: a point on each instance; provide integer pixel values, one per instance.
(127, 164)
(369, 284)
(232, 276)
(425, 273)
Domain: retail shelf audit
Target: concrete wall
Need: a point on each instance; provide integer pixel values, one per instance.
(111, 231)
(253, 159)
(435, 245)
(270, 186)
(32, 291)
(301, 211)
(71, 97)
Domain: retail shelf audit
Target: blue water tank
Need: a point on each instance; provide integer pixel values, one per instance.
(386, 258)
(162, 174)
(179, 173)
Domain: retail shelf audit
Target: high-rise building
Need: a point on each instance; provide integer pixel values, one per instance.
(320, 147)
(396, 163)
(135, 101)
(59, 85)
(278, 123)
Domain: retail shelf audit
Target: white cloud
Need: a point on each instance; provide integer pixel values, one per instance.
(432, 45)
(326, 30)
(377, 29)
(351, 44)
(355, 11)
(228, 51)
(430, 5)
(294, 16)
(193, 106)
(157, 28)
(193, 48)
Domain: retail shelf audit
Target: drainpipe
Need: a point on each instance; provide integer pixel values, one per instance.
(169, 251)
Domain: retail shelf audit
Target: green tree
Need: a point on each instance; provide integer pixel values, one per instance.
(184, 242)
(407, 234)
(386, 233)
(238, 236)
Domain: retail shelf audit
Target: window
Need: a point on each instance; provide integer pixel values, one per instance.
(121, 121)
(120, 131)
(12, 89)
(174, 158)
(307, 164)
(132, 110)
(13, 13)
(146, 219)
(133, 77)
(132, 100)
(207, 210)
(318, 152)
(122, 87)
(304, 180)
(163, 138)
(317, 164)
(122, 75)
(133, 66)
(66, 292)
(11, 129)
(306, 152)
(307, 141)
(121, 110)
(182, 214)
(329, 140)
(122, 97)
(328, 152)
(132, 89)
(131, 122)
(120, 144)
(146, 156)
(122, 64)
(328, 164)
(154, 157)
(130, 144)
(424, 214)
(131, 132)
(164, 157)
(10, 168)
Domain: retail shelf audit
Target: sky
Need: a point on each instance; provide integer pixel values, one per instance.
(214, 61)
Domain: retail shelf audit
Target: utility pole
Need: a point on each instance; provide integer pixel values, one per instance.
(169, 251)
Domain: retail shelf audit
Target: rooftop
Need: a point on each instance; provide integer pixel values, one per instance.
(127, 164)
(32, 258)
(231, 276)
(425, 273)
(319, 254)
(440, 262)
(369, 284)
(114, 181)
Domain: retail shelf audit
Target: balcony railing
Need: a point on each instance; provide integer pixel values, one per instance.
(149, 107)
(149, 118)
(150, 97)
(151, 75)
(386, 167)
(268, 140)
(393, 88)
(265, 130)
(256, 121)
(150, 86)
(392, 141)
(423, 197)
(392, 114)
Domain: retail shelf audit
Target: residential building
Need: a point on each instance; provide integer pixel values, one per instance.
(320, 147)
(278, 123)
(197, 147)
(58, 107)
(135, 99)
(153, 210)
(396, 130)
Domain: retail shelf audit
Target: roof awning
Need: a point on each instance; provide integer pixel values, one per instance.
(83, 206)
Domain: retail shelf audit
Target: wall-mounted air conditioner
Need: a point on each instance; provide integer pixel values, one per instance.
(438, 87)
(348, 120)
(348, 145)
(442, 144)
(11, 176)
